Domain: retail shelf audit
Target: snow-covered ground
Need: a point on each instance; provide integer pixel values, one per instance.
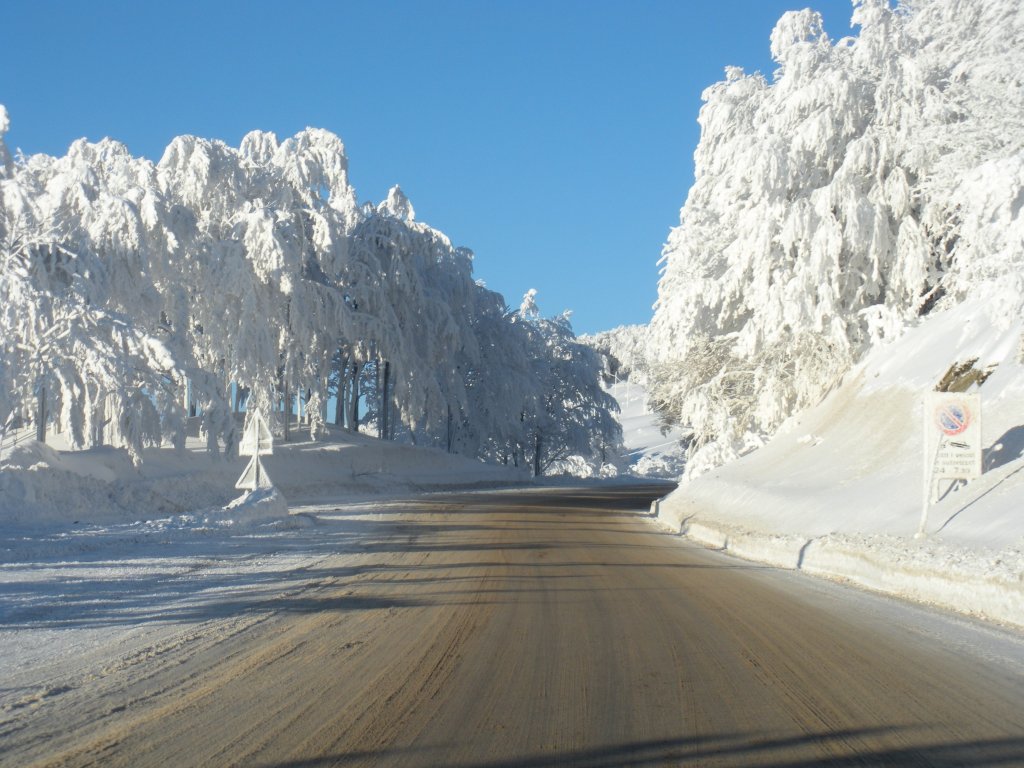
(103, 566)
(839, 491)
(44, 485)
(650, 450)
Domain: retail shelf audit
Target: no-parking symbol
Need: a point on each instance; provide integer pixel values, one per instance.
(953, 417)
(953, 435)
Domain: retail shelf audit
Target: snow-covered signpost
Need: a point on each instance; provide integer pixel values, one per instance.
(257, 441)
(952, 442)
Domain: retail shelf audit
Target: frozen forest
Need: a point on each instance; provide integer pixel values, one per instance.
(623, 351)
(870, 182)
(135, 297)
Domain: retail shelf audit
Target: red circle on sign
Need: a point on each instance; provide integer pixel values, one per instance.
(952, 418)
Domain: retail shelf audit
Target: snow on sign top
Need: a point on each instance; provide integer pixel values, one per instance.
(257, 440)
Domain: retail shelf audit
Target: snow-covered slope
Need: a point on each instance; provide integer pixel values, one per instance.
(838, 490)
(651, 451)
(854, 234)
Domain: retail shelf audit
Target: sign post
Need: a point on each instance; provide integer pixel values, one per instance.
(952, 442)
(256, 441)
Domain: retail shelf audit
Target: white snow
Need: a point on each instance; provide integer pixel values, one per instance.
(814, 255)
(42, 486)
(854, 235)
(133, 295)
(650, 449)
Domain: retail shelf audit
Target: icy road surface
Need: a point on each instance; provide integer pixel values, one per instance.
(528, 628)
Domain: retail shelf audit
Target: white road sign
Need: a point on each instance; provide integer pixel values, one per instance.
(952, 442)
(254, 476)
(953, 434)
(257, 439)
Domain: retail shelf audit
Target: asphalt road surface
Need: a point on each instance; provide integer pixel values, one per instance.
(553, 628)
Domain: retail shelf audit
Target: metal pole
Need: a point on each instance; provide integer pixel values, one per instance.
(929, 482)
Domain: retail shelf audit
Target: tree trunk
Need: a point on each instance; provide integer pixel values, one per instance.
(380, 400)
(287, 411)
(99, 421)
(385, 403)
(350, 385)
(190, 406)
(339, 392)
(450, 435)
(41, 415)
(354, 420)
(536, 457)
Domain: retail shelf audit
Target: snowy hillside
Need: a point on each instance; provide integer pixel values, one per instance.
(853, 241)
(650, 449)
(838, 491)
(651, 446)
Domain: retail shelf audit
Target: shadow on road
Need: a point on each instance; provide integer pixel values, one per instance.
(204, 577)
(836, 749)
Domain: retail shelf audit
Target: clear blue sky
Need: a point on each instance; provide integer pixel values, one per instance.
(553, 137)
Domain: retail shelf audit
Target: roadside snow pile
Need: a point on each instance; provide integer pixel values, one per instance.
(838, 490)
(44, 487)
(261, 504)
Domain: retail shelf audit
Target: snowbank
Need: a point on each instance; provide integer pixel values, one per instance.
(261, 504)
(838, 491)
(44, 486)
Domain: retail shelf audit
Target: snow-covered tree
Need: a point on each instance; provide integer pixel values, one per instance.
(872, 181)
(624, 352)
(135, 296)
(6, 164)
(570, 426)
(500, 386)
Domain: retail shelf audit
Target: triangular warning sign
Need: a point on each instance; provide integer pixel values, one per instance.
(257, 439)
(254, 476)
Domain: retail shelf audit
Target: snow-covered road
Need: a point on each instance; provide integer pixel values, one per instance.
(536, 627)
